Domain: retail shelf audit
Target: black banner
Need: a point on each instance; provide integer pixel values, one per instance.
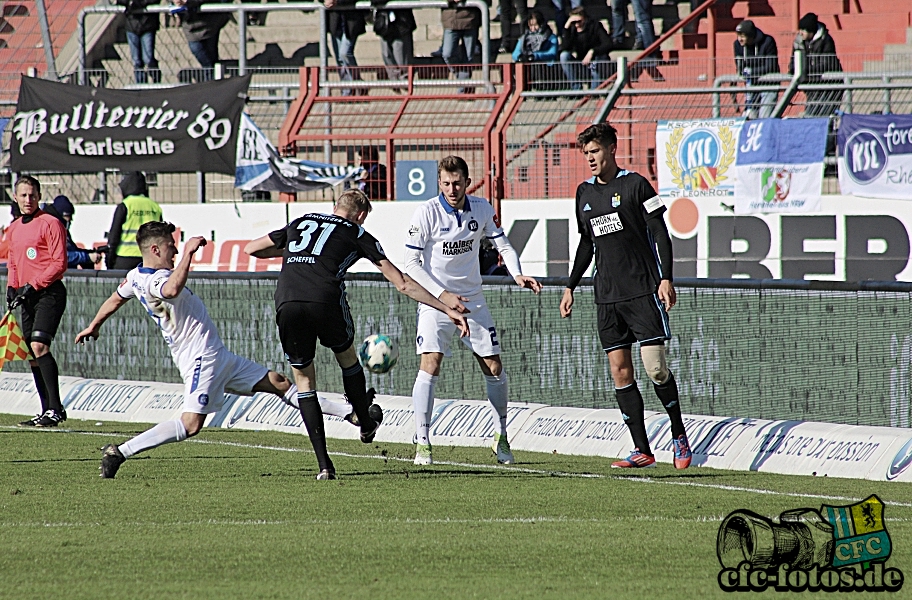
(68, 128)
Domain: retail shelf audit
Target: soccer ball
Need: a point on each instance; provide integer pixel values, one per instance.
(378, 353)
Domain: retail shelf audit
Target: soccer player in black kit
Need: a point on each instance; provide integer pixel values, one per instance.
(317, 250)
(620, 221)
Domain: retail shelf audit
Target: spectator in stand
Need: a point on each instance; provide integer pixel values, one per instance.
(141, 27)
(460, 38)
(585, 46)
(820, 52)
(755, 56)
(77, 258)
(562, 10)
(344, 27)
(373, 179)
(137, 208)
(202, 32)
(509, 9)
(537, 45)
(642, 13)
(394, 28)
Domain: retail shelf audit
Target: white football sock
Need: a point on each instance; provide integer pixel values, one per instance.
(163, 433)
(423, 403)
(291, 396)
(497, 394)
(336, 409)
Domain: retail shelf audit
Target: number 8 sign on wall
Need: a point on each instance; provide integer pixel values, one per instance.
(416, 179)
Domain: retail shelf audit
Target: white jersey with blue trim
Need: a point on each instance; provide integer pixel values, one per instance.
(184, 321)
(449, 239)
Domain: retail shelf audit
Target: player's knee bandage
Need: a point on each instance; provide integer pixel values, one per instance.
(654, 361)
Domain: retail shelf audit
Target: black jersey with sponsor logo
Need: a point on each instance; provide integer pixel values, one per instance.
(318, 250)
(612, 217)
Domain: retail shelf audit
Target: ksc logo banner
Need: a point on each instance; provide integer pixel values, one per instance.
(697, 158)
(838, 548)
(875, 155)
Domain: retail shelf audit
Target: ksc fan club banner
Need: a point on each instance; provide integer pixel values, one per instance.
(61, 127)
(780, 165)
(875, 156)
(260, 168)
(697, 158)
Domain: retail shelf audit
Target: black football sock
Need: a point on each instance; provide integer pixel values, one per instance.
(51, 377)
(355, 385)
(668, 394)
(42, 389)
(631, 404)
(313, 420)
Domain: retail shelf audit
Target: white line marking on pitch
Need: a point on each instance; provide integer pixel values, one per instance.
(635, 478)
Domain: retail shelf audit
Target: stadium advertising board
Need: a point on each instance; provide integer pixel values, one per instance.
(875, 155)
(779, 165)
(697, 158)
(84, 129)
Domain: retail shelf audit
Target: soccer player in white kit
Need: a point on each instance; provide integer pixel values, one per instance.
(205, 365)
(442, 256)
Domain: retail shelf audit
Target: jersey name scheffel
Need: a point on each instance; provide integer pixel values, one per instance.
(184, 321)
(449, 240)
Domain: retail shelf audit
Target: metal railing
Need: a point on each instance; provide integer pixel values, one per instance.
(243, 9)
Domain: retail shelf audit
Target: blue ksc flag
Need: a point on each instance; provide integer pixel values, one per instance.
(260, 168)
(779, 165)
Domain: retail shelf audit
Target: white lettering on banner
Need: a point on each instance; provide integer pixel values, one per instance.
(864, 156)
(897, 137)
(901, 354)
(754, 133)
(108, 147)
(106, 397)
(605, 224)
(29, 126)
(219, 130)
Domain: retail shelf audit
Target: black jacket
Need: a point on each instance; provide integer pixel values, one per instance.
(350, 22)
(400, 27)
(592, 37)
(820, 52)
(757, 59)
(137, 20)
(200, 26)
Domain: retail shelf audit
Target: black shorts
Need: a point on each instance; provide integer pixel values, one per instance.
(42, 312)
(302, 323)
(642, 319)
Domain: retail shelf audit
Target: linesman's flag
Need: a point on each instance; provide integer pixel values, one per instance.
(12, 343)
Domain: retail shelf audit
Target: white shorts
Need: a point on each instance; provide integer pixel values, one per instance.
(210, 376)
(435, 330)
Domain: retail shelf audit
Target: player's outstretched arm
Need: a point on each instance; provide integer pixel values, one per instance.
(110, 306)
(178, 278)
(511, 261)
(413, 290)
(263, 247)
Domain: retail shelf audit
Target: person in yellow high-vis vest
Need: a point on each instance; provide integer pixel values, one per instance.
(137, 208)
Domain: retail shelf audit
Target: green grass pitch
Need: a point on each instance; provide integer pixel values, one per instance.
(238, 514)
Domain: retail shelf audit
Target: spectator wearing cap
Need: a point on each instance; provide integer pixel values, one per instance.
(137, 208)
(820, 52)
(77, 258)
(756, 55)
